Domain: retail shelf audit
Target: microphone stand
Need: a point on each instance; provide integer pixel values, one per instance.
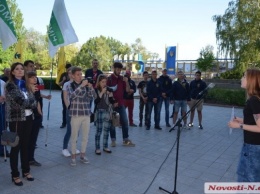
(178, 142)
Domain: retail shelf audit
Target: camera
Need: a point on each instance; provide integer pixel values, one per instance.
(90, 80)
(110, 89)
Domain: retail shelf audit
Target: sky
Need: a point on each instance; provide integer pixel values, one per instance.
(158, 23)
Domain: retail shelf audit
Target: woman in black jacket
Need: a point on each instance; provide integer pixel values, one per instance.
(19, 104)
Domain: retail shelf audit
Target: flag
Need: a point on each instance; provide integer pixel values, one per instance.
(60, 30)
(61, 64)
(18, 54)
(7, 31)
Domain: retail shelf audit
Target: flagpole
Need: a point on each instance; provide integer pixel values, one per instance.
(48, 114)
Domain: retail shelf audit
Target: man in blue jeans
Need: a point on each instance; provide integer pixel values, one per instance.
(122, 85)
(166, 92)
(179, 96)
(154, 93)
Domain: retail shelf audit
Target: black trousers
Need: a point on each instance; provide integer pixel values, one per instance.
(34, 136)
(24, 131)
(64, 109)
(143, 106)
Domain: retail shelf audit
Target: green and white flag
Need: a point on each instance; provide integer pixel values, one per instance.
(60, 31)
(7, 31)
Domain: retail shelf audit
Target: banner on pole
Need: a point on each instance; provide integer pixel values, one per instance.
(7, 31)
(61, 64)
(60, 30)
(18, 54)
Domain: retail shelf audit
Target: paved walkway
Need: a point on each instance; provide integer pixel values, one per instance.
(205, 155)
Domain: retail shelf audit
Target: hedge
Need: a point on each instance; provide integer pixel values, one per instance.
(234, 97)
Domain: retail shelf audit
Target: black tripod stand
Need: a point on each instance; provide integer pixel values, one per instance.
(178, 142)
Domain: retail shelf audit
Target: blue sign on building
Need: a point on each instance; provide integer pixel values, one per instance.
(170, 59)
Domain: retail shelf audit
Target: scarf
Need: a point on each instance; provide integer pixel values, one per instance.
(21, 84)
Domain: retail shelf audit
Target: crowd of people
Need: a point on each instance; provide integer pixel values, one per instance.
(21, 110)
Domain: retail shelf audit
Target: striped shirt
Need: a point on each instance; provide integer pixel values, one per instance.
(80, 99)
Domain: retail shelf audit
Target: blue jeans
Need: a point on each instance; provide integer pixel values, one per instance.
(68, 132)
(249, 164)
(180, 104)
(2, 124)
(167, 105)
(124, 122)
(156, 113)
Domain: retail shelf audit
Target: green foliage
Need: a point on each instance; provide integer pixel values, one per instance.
(206, 60)
(94, 48)
(232, 74)
(234, 97)
(238, 33)
(50, 82)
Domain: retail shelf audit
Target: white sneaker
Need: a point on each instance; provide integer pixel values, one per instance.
(77, 151)
(66, 153)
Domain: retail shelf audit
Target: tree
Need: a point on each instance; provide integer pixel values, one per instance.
(94, 48)
(206, 60)
(237, 33)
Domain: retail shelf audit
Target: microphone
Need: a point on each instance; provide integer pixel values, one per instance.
(211, 85)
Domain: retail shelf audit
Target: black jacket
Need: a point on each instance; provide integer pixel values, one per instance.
(180, 90)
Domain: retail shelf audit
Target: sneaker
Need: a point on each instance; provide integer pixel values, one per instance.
(168, 125)
(133, 125)
(200, 127)
(113, 144)
(158, 127)
(77, 151)
(140, 125)
(34, 163)
(84, 160)
(73, 162)
(147, 128)
(128, 143)
(190, 125)
(66, 153)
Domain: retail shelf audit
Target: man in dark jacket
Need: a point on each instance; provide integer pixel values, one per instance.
(154, 93)
(180, 96)
(93, 72)
(166, 92)
(196, 86)
(129, 98)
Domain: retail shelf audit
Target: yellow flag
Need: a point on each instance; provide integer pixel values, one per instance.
(18, 54)
(61, 64)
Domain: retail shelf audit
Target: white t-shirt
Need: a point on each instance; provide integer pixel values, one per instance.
(66, 88)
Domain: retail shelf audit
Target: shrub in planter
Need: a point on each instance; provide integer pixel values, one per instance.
(235, 97)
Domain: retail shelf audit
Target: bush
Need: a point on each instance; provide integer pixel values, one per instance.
(48, 81)
(231, 74)
(235, 97)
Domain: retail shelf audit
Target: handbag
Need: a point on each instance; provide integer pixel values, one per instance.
(9, 138)
(115, 119)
